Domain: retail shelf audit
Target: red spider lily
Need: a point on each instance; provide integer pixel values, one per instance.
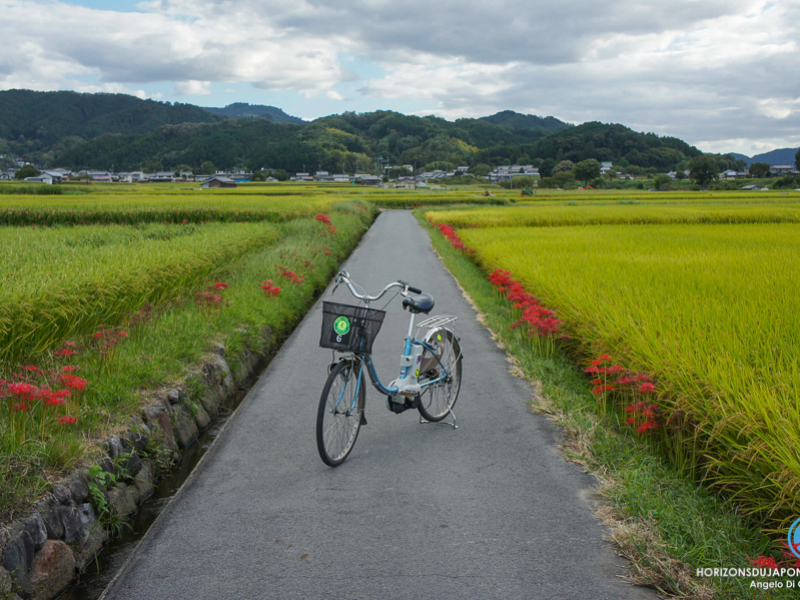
(69, 344)
(602, 389)
(327, 252)
(789, 557)
(21, 407)
(64, 352)
(184, 221)
(31, 368)
(24, 390)
(74, 382)
(123, 334)
(643, 416)
(270, 290)
(220, 285)
(764, 562)
(67, 420)
(538, 318)
(596, 381)
(99, 334)
(289, 274)
(647, 388)
(644, 427)
(455, 241)
(326, 220)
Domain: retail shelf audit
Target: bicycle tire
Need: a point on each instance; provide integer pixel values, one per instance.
(438, 400)
(338, 423)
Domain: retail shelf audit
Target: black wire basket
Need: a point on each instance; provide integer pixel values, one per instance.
(349, 328)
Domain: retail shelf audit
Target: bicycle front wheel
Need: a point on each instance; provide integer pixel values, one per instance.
(445, 366)
(339, 413)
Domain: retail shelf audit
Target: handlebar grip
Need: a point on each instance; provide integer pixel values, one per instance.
(415, 290)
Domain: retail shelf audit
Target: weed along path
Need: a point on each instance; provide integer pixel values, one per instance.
(490, 510)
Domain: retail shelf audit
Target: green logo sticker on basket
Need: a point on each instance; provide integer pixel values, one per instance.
(341, 325)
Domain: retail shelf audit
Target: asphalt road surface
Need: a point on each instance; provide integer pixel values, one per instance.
(490, 510)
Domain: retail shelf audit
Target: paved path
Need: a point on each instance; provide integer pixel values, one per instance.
(490, 510)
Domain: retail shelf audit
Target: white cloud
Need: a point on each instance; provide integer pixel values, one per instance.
(711, 72)
(191, 88)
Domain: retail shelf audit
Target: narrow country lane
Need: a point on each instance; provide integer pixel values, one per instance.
(488, 511)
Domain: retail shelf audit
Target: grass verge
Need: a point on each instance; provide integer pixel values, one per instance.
(667, 525)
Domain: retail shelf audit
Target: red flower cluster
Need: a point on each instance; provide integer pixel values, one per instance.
(538, 318)
(220, 285)
(327, 252)
(636, 379)
(108, 338)
(643, 416)
(455, 241)
(270, 290)
(67, 420)
(289, 274)
(74, 382)
(764, 562)
(326, 220)
(599, 390)
(22, 395)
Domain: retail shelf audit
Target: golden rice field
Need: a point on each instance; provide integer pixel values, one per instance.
(701, 297)
(780, 210)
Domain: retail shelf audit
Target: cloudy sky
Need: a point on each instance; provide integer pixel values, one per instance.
(723, 75)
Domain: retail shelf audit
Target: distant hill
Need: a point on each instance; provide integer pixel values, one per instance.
(515, 120)
(781, 156)
(242, 110)
(350, 141)
(49, 116)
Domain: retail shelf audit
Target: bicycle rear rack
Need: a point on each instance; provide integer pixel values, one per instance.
(437, 321)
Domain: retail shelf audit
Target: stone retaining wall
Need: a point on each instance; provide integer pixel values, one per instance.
(42, 553)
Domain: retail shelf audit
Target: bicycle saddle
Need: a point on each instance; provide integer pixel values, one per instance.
(423, 303)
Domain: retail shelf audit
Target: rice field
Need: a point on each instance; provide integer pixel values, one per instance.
(108, 296)
(550, 214)
(65, 282)
(700, 297)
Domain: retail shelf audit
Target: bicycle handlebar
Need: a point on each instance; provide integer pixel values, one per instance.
(344, 277)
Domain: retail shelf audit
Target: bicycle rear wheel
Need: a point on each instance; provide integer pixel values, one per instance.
(439, 398)
(339, 412)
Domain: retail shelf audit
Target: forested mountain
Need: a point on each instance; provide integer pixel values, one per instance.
(38, 125)
(515, 120)
(242, 110)
(780, 156)
(104, 130)
(352, 141)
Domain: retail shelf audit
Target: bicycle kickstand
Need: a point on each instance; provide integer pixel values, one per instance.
(454, 424)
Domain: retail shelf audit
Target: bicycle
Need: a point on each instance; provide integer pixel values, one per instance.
(430, 367)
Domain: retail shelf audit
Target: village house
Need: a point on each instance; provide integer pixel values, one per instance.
(218, 181)
(781, 170)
